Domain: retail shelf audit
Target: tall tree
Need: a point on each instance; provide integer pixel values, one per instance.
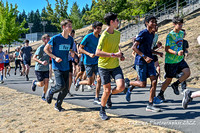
(75, 16)
(58, 14)
(37, 26)
(10, 29)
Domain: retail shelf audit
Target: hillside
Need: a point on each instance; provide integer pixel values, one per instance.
(192, 27)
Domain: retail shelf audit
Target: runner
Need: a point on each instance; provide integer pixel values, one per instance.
(88, 48)
(156, 46)
(71, 57)
(60, 44)
(2, 57)
(41, 67)
(185, 53)
(26, 50)
(174, 59)
(108, 63)
(21, 62)
(7, 64)
(81, 75)
(17, 60)
(144, 61)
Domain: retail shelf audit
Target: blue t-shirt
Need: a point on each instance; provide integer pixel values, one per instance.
(7, 58)
(42, 56)
(26, 50)
(146, 39)
(90, 43)
(2, 57)
(60, 48)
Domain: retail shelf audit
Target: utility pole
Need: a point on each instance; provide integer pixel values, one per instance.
(30, 25)
(44, 24)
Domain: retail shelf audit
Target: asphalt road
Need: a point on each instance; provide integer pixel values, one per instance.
(172, 115)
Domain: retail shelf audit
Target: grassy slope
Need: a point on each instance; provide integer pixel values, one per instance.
(192, 27)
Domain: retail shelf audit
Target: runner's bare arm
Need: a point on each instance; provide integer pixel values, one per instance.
(83, 51)
(168, 50)
(134, 47)
(101, 53)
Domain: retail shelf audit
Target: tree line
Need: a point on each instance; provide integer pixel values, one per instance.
(14, 24)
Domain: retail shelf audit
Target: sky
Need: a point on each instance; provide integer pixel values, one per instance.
(29, 5)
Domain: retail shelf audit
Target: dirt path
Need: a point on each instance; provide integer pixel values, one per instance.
(22, 112)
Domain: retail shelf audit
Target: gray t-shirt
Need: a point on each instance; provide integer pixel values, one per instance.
(42, 56)
(26, 50)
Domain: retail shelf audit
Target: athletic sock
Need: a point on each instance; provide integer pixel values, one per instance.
(177, 82)
(102, 109)
(161, 92)
(1, 77)
(150, 103)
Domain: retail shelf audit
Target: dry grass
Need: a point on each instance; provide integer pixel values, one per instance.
(22, 112)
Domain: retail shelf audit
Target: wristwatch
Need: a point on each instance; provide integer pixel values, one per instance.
(143, 56)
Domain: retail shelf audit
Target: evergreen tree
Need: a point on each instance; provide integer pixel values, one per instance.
(75, 16)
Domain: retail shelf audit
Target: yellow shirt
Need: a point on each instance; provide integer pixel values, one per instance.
(109, 43)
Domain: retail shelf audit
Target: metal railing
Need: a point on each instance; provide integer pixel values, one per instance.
(163, 13)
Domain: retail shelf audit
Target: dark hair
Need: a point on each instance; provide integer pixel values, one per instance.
(148, 18)
(1, 46)
(97, 23)
(110, 16)
(26, 41)
(65, 22)
(177, 19)
(73, 31)
(90, 31)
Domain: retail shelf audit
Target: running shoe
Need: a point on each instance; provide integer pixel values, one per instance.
(97, 101)
(8, 74)
(186, 98)
(43, 98)
(156, 100)
(1, 82)
(33, 85)
(103, 115)
(128, 95)
(175, 88)
(152, 108)
(59, 109)
(77, 85)
(127, 82)
(49, 97)
(161, 97)
(5, 77)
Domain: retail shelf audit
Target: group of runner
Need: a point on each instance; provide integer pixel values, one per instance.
(99, 55)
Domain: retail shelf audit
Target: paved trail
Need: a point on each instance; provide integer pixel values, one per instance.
(172, 115)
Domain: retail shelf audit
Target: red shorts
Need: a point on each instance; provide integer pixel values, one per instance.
(1, 66)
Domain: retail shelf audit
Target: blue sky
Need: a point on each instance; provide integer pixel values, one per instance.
(29, 5)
